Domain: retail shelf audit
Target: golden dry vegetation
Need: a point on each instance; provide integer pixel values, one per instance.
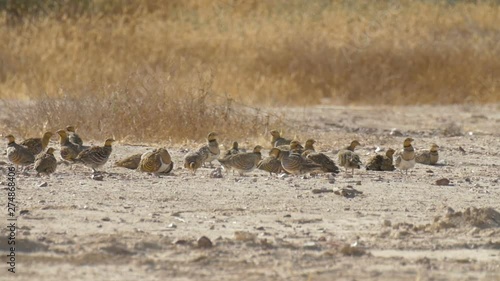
(176, 69)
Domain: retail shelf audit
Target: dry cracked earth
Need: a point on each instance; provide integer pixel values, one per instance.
(133, 226)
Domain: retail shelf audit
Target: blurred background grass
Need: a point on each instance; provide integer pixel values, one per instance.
(83, 54)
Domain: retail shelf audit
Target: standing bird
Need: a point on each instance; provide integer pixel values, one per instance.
(156, 161)
(319, 158)
(96, 156)
(73, 136)
(131, 162)
(18, 154)
(277, 140)
(348, 158)
(46, 163)
(428, 157)
(69, 150)
(37, 145)
(243, 162)
(381, 162)
(234, 150)
(211, 150)
(294, 163)
(405, 158)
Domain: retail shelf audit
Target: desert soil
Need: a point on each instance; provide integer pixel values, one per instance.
(132, 226)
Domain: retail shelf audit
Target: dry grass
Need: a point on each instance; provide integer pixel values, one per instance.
(151, 106)
(278, 52)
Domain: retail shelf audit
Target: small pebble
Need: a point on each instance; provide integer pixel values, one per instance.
(443, 181)
(204, 242)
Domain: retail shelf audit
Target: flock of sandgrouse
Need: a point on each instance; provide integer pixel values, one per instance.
(286, 156)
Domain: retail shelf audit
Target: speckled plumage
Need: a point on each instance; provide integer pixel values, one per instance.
(17, 154)
(37, 145)
(73, 136)
(319, 158)
(294, 163)
(243, 162)
(211, 150)
(277, 139)
(381, 162)
(68, 150)
(348, 158)
(428, 156)
(96, 156)
(156, 161)
(46, 163)
(130, 162)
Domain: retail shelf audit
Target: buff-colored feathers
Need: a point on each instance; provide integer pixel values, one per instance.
(17, 154)
(243, 162)
(69, 151)
(428, 156)
(156, 161)
(46, 163)
(130, 162)
(405, 158)
(37, 145)
(96, 156)
(381, 162)
(277, 139)
(348, 158)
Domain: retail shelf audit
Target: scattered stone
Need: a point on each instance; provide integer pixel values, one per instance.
(244, 236)
(172, 225)
(287, 216)
(283, 176)
(106, 219)
(216, 174)
(348, 192)
(443, 181)
(24, 212)
(430, 171)
(97, 177)
(321, 190)
(117, 250)
(355, 251)
(461, 149)
(387, 223)
(43, 184)
(395, 132)
(311, 246)
(474, 231)
(204, 242)
(181, 242)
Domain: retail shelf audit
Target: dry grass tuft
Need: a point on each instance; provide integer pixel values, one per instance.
(283, 52)
(150, 106)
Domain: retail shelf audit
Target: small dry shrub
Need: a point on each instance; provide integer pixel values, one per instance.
(150, 106)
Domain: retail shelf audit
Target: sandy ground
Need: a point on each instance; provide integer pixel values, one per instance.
(132, 226)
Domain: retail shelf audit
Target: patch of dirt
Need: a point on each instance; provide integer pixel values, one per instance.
(133, 226)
